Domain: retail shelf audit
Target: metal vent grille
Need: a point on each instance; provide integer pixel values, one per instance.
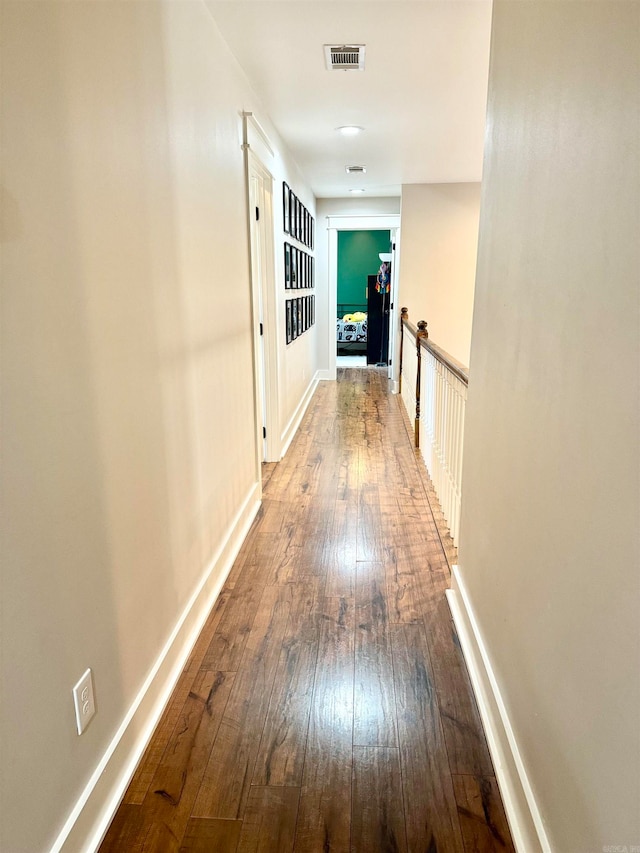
(355, 170)
(344, 57)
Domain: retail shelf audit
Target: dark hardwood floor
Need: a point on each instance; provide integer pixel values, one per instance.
(326, 705)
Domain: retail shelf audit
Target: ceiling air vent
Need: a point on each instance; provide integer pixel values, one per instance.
(344, 57)
(355, 170)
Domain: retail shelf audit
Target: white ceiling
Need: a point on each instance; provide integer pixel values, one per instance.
(421, 98)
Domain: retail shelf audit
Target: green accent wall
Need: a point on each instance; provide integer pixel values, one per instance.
(357, 258)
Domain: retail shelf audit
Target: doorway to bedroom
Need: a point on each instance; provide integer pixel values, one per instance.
(363, 297)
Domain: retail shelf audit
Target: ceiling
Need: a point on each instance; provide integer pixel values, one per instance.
(421, 98)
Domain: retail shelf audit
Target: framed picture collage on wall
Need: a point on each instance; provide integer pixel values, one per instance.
(299, 266)
(301, 315)
(299, 270)
(297, 220)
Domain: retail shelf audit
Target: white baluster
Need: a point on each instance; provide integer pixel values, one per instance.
(443, 395)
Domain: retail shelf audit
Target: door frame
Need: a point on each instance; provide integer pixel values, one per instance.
(363, 222)
(259, 188)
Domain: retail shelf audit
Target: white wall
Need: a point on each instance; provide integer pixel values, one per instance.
(127, 387)
(438, 260)
(549, 546)
(327, 207)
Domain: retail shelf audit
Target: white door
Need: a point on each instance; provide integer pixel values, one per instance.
(260, 185)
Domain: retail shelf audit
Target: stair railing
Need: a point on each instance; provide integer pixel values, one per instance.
(437, 409)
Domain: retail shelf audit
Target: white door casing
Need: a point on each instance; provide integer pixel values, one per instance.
(363, 222)
(264, 317)
(394, 314)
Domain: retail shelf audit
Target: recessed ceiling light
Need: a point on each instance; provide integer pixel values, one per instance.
(356, 191)
(350, 130)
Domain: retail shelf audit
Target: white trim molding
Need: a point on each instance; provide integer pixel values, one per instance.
(255, 136)
(296, 419)
(355, 222)
(526, 824)
(90, 818)
(364, 221)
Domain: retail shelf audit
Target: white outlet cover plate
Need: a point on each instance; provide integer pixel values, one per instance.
(84, 701)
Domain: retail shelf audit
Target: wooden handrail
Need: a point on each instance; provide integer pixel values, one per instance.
(455, 366)
(411, 327)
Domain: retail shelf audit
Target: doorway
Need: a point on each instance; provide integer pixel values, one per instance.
(336, 224)
(260, 191)
(362, 298)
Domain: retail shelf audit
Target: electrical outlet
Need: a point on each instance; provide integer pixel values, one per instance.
(84, 701)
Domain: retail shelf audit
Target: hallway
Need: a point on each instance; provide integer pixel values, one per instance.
(326, 705)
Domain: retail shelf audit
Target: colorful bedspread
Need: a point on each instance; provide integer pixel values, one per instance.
(351, 331)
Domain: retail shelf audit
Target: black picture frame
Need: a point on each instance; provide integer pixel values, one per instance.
(292, 208)
(294, 268)
(288, 320)
(313, 271)
(299, 307)
(313, 310)
(287, 266)
(286, 219)
(297, 221)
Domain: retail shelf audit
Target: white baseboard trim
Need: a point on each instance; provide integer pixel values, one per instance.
(325, 375)
(90, 818)
(527, 828)
(292, 427)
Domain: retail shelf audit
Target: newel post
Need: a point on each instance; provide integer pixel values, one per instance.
(422, 333)
(404, 315)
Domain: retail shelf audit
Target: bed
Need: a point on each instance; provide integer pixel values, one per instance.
(351, 335)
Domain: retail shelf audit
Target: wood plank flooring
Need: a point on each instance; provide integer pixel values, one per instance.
(326, 705)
